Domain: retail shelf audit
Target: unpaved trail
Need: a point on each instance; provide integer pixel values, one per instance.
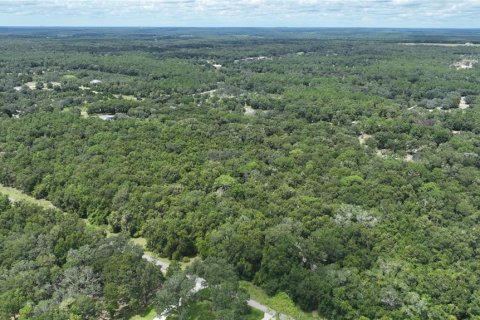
(463, 104)
(208, 92)
(268, 313)
(163, 265)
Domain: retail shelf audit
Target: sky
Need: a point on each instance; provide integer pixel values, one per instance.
(243, 13)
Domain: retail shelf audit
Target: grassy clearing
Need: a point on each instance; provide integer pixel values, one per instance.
(69, 77)
(83, 112)
(149, 315)
(17, 196)
(280, 303)
(126, 97)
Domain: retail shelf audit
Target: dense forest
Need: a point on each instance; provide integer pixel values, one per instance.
(56, 267)
(337, 166)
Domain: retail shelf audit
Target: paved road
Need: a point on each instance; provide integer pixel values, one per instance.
(269, 313)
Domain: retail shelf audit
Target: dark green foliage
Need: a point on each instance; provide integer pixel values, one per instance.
(351, 185)
(55, 267)
(112, 106)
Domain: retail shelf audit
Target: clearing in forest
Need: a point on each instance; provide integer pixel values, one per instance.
(464, 64)
(15, 195)
(463, 104)
(248, 111)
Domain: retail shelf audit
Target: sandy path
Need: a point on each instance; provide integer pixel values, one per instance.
(249, 111)
(163, 265)
(208, 92)
(463, 104)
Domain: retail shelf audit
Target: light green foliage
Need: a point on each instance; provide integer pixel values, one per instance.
(150, 315)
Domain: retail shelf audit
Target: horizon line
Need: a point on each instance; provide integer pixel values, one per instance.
(240, 27)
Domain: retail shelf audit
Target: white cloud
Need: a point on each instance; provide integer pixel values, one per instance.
(243, 12)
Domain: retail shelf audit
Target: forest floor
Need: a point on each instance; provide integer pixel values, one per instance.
(386, 153)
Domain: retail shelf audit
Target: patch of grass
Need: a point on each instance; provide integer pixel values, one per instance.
(83, 112)
(17, 196)
(126, 97)
(69, 77)
(149, 315)
(142, 242)
(280, 302)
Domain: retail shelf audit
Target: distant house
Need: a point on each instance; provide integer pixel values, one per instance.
(95, 81)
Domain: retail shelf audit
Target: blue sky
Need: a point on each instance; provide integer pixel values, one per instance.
(243, 13)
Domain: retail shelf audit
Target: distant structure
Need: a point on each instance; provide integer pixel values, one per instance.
(95, 81)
